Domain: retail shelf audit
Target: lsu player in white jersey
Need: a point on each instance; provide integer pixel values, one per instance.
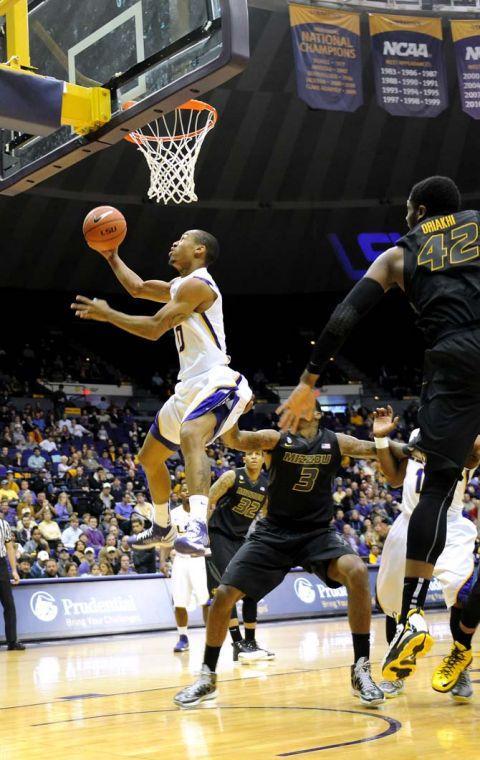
(454, 568)
(209, 396)
(189, 577)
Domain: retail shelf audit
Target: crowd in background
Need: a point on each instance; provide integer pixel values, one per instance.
(72, 488)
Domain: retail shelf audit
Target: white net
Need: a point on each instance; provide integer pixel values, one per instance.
(171, 145)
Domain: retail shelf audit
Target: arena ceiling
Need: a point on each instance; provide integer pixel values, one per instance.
(275, 181)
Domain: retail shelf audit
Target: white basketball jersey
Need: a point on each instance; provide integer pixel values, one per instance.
(200, 339)
(412, 486)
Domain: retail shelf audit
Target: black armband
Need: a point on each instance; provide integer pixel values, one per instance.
(359, 301)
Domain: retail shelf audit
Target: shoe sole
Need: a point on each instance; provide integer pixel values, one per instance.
(213, 695)
(246, 658)
(181, 651)
(461, 700)
(404, 664)
(367, 702)
(393, 695)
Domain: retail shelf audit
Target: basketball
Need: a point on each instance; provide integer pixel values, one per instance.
(104, 228)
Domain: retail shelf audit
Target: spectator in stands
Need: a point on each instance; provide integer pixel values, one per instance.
(143, 507)
(78, 481)
(5, 458)
(51, 568)
(78, 555)
(78, 430)
(38, 567)
(88, 560)
(6, 491)
(374, 556)
(72, 532)
(339, 521)
(106, 498)
(354, 520)
(12, 484)
(123, 512)
(109, 553)
(24, 527)
(105, 568)
(36, 544)
(90, 461)
(350, 537)
(49, 529)
(48, 444)
(117, 489)
(8, 511)
(62, 509)
(94, 534)
(125, 568)
(144, 560)
(36, 461)
(24, 568)
(63, 560)
(62, 467)
(71, 570)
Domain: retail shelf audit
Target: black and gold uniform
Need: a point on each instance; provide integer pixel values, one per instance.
(442, 283)
(297, 528)
(231, 520)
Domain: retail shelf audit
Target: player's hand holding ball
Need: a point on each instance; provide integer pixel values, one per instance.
(105, 229)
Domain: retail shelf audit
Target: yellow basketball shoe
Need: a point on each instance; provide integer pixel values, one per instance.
(447, 674)
(411, 640)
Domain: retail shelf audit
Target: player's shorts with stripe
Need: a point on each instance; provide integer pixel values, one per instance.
(271, 551)
(449, 414)
(453, 569)
(221, 390)
(189, 582)
(223, 548)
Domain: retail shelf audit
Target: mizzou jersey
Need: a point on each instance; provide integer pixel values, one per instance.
(237, 509)
(442, 273)
(300, 481)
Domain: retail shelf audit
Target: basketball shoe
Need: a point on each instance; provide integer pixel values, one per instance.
(155, 535)
(195, 539)
(447, 674)
(392, 689)
(411, 640)
(462, 691)
(363, 685)
(204, 688)
(249, 651)
(182, 644)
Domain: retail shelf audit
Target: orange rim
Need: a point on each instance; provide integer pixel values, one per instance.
(191, 105)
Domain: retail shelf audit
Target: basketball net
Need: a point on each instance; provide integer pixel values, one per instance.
(171, 145)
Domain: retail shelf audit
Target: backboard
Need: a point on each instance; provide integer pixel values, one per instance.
(159, 53)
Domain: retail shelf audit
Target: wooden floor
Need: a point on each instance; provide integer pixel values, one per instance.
(112, 698)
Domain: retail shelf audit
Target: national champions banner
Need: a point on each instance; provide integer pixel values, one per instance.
(326, 47)
(409, 67)
(466, 38)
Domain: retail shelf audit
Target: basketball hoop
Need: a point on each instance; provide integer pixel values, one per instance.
(171, 145)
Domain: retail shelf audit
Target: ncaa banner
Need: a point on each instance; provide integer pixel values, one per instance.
(409, 67)
(466, 38)
(326, 46)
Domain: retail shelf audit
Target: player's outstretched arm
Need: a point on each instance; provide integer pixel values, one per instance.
(246, 440)
(384, 273)
(391, 455)
(189, 298)
(219, 489)
(150, 290)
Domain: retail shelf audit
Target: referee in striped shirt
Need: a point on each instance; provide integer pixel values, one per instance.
(6, 596)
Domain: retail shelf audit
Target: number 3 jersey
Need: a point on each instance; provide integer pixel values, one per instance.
(237, 509)
(200, 339)
(442, 273)
(300, 481)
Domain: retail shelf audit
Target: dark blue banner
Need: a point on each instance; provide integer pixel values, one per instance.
(466, 38)
(409, 67)
(326, 46)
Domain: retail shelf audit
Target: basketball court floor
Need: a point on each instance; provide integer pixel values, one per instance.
(112, 697)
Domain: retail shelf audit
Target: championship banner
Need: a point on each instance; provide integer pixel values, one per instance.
(326, 46)
(466, 38)
(409, 67)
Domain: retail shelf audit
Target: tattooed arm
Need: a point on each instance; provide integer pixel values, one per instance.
(219, 489)
(244, 440)
(193, 296)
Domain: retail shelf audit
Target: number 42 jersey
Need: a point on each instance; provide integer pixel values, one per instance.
(300, 481)
(442, 273)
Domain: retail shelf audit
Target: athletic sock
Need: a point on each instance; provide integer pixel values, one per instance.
(161, 514)
(182, 630)
(464, 638)
(455, 617)
(249, 634)
(210, 657)
(235, 633)
(414, 595)
(198, 507)
(390, 628)
(361, 645)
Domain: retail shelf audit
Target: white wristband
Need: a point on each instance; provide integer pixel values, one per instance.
(382, 443)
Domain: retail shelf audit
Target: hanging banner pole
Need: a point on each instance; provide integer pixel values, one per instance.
(326, 46)
(409, 67)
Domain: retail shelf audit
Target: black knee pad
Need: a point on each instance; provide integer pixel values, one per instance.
(249, 612)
